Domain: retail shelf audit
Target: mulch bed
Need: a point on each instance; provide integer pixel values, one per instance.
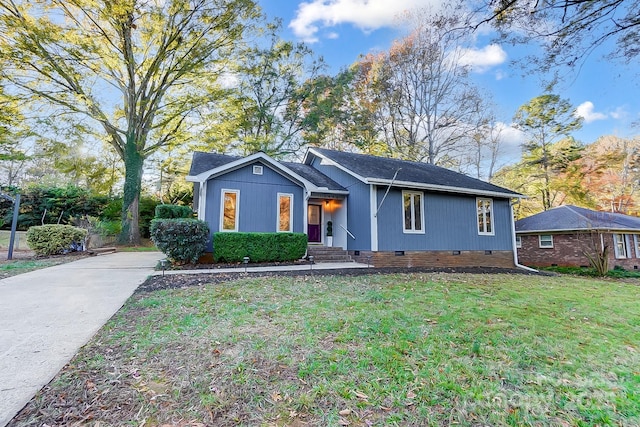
(177, 281)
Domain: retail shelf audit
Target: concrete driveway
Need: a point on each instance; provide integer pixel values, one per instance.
(47, 315)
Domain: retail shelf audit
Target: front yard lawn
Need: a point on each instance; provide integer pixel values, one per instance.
(408, 350)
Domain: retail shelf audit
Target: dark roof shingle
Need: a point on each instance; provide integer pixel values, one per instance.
(374, 167)
(203, 162)
(567, 218)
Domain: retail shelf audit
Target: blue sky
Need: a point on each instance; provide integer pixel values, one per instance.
(605, 93)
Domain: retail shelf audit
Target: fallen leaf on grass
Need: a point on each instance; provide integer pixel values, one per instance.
(345, 412)
(343, 422)
(276, 397)
(361, 395)
(411, 395)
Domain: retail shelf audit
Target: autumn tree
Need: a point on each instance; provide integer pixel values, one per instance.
(611, 174)
(419, 92)
(136, 69)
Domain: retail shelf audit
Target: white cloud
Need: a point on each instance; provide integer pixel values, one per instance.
(620, 113)
(586, 111)
(333, 35)
(367, 15)
(481, 60)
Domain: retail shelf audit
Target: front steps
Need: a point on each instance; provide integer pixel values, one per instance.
(328, 254)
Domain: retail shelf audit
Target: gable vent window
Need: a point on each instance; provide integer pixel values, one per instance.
(257, 170)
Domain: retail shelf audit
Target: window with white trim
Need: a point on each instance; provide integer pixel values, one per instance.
(285, 212)
(229, 209)
(518, 242)
(636, 245)
(412, 212)
(620, 246)
(257, 169)
(545, 241)
(485, 216)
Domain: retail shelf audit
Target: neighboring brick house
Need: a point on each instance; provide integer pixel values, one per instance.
(562, 235)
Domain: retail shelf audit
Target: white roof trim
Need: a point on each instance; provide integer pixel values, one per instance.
(332, 162)
(573, 230)
(445, 188)
(236, 164)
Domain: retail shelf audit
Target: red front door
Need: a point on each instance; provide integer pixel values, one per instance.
(314, 224)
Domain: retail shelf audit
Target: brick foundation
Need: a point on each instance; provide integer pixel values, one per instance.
(568, 251)
(500, 259)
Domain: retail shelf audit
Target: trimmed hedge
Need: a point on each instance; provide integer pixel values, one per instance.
(55, 239)
(182, 240)
(259, 247)
(173, 211)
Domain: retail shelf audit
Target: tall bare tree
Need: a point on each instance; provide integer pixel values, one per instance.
(423, 100)
(136, 68)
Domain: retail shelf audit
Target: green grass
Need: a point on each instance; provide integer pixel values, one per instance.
(616, 273)
(138, 249)
(22, 266)
(406, 350)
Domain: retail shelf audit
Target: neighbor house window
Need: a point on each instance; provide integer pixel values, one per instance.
(285, 212)
(636, 245)
(485, 216)
(229, 210)
(413, 212)
(518, 242)
(546, 241)
(620, 245)
(257, 170)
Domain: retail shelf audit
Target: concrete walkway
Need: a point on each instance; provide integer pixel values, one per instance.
(47, 315)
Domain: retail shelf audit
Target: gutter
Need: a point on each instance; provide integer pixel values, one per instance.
(513, 241)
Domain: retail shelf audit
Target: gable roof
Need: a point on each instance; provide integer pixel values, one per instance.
(380, 170)
(202, 162)
(573, 218)
(206, 165)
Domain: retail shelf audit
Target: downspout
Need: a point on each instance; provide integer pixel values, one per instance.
(513, 240)
(305, 222)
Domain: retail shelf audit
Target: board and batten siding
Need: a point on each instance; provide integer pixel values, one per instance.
(358, 215)
(450, 223)
(258, 203)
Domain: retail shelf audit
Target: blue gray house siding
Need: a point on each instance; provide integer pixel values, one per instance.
(450, 224)
(258, 204)
(358, 213)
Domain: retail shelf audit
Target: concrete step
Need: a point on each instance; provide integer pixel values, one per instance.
(328, 254)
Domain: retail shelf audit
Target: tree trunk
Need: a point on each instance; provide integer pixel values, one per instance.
(133, 162)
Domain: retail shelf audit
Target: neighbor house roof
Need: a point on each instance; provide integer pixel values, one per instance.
(572, 218)
(205, 165)
(381, 170)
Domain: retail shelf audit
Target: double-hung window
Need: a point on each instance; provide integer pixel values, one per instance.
(545, 241)
(620, 246)
(413, 212)
(485, 216)
(285, 212)
(229, 209)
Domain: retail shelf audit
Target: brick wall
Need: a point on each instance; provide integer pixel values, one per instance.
(568, 251)
(502, 259)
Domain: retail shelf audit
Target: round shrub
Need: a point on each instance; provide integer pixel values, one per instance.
(173, 211)
(181, 240)
(55, 239)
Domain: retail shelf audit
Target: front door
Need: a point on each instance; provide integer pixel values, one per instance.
(314, 223)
